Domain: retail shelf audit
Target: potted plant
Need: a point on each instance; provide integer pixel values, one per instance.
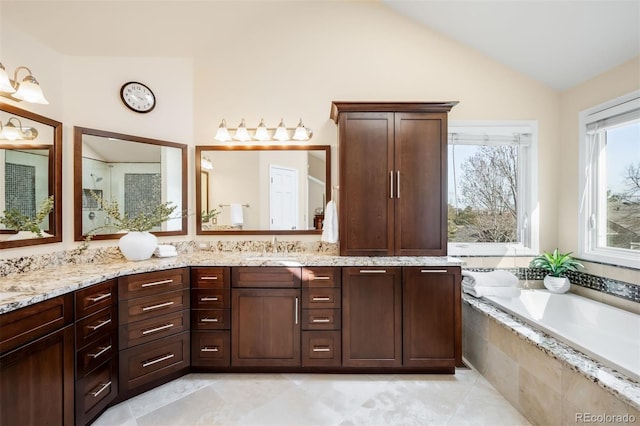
(27, 226)
(206, 216)
(557, 265)
(138, 243)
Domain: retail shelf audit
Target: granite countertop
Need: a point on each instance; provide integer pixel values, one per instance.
(24, 289)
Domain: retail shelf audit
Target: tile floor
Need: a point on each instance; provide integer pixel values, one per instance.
(465, 398)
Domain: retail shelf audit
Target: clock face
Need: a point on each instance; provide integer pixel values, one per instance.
(137, 97)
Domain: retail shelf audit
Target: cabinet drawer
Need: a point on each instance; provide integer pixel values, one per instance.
(215, 298)
(321, 319)
(210, 319)
(153, 328)
(29, 323)
(321, 349)
(92, 299)
(95, 391)
(210, 277)
(265, 277)
(146, 284)
(321, 297)
(95, 354)
(150, 361)
(321, 277)
(97, 325)
(152, 306)
(210, 349)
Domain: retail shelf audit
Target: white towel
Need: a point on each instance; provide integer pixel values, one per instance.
(479, 291)
(237, 218)
(330, 224)
(165, 250)
(497, 278)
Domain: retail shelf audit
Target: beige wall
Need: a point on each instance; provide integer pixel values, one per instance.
(292, 64)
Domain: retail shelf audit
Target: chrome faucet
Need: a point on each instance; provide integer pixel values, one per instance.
(274, 244)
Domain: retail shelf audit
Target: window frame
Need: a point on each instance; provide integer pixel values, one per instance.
(527, 189)
(591, 185)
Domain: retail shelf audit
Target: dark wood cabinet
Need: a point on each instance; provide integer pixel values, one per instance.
(371, 317)
(265, 322)
(432, 333)
(393, 178)
(36, 364)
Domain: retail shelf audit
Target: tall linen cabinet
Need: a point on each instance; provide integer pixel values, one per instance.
(393, 177)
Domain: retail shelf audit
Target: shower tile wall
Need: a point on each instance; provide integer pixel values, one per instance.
(142, 192)
(20, 188)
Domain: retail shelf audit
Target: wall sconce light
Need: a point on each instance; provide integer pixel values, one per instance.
(10, 132)
(262, 133)
(27, 90)
(206, 164)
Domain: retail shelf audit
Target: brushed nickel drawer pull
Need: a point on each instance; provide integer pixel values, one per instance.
(325, 319)
(209, 278)
(208, 349)
(209, 320)
(373, 271)
(161, 305)
(321, 299)
(323, 277)
(157, 360)
(100, 352)
(103, 386)
(99, 298)
(100, 324)
(296, 308)
(322, 349)
(156, 329)
(398, 184)
(157, 283)
(208, 299)
(434, 271)
(391, 184)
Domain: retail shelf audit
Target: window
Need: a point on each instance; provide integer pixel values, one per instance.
(492, 188)
(610, 184)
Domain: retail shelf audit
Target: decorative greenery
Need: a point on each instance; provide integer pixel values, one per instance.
(556, 263)
(143, 221)
(13, 219)
(208, 215)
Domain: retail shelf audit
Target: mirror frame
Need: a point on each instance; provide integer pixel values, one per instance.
(55, 176)
(203, 148)
(78, 132)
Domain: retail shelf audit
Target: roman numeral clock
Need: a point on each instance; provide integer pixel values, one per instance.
(137, 97)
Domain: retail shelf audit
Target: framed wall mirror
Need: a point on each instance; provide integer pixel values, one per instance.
(131, 170)
(262, 189)
(31, 170)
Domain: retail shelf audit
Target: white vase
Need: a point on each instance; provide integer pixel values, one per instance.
(138, 245)
(556, 284)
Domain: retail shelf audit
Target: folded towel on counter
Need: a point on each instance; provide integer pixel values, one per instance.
(237, 217)
(479, 291)
(165, 250)
(497, 278)
(330, 223)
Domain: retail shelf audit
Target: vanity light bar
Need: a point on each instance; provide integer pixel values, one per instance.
(263, 133)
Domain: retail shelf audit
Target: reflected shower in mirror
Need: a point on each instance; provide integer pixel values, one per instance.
(280, 189)
(134, 172)
(31, 170)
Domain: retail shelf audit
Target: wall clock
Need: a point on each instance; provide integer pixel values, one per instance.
(137, 97)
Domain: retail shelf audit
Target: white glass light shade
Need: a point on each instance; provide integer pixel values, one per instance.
(206, 164)
(222, 134)
(281, 133)
(241, 132)
(5, 83)
(261, 132)
(29, 90)
(301, 133)
(10, 132)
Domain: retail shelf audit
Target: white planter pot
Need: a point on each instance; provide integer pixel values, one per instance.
(138, 245)
(557, 284)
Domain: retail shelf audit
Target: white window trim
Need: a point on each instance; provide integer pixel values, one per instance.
(588, 200)
(529, 183)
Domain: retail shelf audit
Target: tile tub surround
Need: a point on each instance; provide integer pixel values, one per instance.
(546, 380)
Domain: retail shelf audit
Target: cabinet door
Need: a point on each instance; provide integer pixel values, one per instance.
(371, 317)
(420, 179)
(265, 327)
(36, 382)
(431, 317)
(366, 179)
